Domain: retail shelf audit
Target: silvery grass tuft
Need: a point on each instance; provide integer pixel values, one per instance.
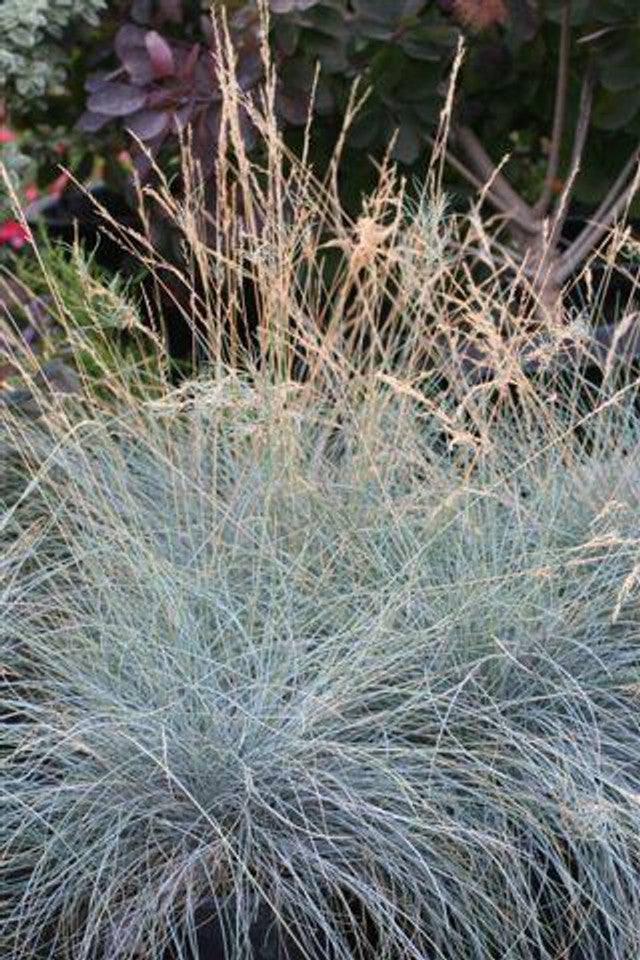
(256, 658)
(349, 666)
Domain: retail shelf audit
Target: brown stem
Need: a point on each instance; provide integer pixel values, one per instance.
(577, 152)
(498, 202)
(609, 210)
(486, 170)
(562, 80)
(547, 252)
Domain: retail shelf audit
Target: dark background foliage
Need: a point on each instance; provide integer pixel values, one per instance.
(149, 69)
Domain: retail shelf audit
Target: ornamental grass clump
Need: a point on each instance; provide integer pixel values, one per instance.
(340, 667)
(271, 673)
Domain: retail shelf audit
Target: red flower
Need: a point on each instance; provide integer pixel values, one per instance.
(13, 233)
(6, 135)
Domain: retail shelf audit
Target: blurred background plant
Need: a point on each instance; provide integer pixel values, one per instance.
(147, 65)
(145, 76)
(40, 44)
(32, 54)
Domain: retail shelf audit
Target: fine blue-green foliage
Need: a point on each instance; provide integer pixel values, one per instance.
(310, 657)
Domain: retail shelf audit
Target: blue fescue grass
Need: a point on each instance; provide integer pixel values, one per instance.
(358, 655)
(247, 664)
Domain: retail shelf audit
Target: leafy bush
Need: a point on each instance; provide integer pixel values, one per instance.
(31, 53)
(162, 68)
(156, 75)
